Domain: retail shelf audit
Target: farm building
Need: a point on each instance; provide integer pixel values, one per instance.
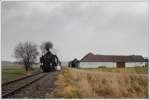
(74, 63)
(93, 61)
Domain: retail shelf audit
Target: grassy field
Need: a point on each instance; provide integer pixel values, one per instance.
(12, 72)
(101, 83)
(138, 70)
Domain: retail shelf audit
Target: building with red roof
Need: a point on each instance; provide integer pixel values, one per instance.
(93, 61)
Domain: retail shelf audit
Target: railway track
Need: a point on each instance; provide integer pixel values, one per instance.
(9, 88)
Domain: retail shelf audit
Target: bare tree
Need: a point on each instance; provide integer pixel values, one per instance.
(26, 53)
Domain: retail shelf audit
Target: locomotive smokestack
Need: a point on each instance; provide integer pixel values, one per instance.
(48, 45)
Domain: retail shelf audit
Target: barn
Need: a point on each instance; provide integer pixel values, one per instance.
(93, 61)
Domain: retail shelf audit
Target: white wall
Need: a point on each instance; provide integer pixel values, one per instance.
(135, 64)
(109, 64)
(96, 64)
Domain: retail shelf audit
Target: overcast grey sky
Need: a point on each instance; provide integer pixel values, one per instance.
(76, 28)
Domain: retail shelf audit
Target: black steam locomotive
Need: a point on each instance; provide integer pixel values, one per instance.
(49, 62)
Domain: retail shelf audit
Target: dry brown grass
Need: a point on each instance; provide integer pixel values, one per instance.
(75, 83)
(65, 86)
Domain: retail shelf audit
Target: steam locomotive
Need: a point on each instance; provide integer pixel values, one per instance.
(49, 62)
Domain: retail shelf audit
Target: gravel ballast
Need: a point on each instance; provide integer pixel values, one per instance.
(39, 89)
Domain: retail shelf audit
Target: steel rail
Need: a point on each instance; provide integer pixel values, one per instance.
(9, 93)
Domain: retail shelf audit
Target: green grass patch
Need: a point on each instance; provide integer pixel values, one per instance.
(12, 73)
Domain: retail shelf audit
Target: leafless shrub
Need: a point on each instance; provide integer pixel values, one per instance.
(26, 53)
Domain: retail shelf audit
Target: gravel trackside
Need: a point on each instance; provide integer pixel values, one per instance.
(39, 89)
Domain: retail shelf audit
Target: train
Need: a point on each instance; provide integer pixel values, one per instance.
(49, 62)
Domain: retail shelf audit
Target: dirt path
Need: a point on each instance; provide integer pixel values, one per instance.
(38, 89)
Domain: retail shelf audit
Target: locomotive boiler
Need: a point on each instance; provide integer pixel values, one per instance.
(49, 62)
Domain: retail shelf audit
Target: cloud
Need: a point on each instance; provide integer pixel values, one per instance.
(77, 28)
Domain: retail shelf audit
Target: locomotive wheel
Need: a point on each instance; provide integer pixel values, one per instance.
(47, 69)
(44, 69)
